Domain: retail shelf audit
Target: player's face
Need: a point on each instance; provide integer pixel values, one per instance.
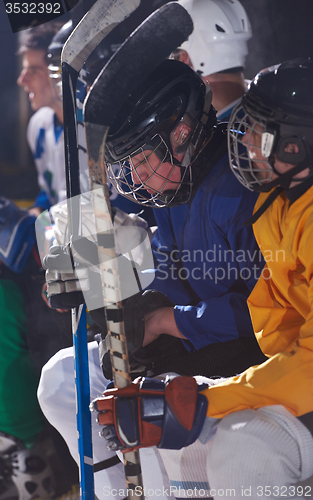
(253, 141)
(157, 175)
(153, 175)
(35, 80)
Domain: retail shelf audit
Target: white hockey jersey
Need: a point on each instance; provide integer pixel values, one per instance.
(46, 141)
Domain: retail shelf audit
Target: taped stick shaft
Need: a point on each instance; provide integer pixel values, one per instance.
(152, 42)
(96, 24)
(112, 302)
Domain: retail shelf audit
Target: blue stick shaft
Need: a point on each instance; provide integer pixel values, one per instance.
(79, 327)
(83, 415)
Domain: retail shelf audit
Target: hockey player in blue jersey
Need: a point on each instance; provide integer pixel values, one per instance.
(250, 435)
(165, 151)
(205, 256)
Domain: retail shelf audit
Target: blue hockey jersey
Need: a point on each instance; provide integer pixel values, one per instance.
(207, 260)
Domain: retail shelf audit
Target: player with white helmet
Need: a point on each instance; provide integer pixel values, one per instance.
(217, 49)
(219, 39)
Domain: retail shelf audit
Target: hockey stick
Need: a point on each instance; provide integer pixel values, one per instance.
(99, 21)
(150, 43)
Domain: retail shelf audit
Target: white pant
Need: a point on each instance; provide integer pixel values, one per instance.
(254, 453)
(56, 395)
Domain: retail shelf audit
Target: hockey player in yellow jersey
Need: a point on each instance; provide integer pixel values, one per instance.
(257, 427)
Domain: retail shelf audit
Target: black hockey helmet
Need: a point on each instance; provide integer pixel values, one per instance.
(279, 107)
(54, 52)
(57, 42)
(172, 94)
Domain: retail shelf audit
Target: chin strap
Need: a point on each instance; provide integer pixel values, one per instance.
(204, 131)
(283, 183)
(264, 207)
(206, 125)
(284, 180)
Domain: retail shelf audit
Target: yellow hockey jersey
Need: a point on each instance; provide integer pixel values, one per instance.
(281, 307)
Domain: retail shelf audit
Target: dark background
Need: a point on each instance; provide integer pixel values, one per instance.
(282, 30)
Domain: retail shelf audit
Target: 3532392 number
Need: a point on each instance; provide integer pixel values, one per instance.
(33, 8)
(284, 491)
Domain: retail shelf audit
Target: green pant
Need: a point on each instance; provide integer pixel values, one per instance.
(20, 414)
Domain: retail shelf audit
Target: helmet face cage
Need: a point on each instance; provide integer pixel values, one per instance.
(162, 117)
(278, 107)
(241, 130)
(126, 178)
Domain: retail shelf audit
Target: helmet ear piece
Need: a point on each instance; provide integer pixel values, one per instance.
(293, 158)
(180, 138)
(57, 43)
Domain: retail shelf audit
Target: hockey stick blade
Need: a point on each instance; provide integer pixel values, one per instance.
(153, 41)
(99, 21)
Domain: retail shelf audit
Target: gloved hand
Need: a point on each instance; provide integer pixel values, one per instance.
(134, 309)
(72, 270)
(69, 276)
(149, 412)
(132, 233)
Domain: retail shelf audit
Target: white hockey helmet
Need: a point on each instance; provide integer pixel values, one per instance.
(219, 39)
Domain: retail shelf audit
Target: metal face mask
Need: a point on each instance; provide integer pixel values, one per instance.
(152, 176)
(273, 123)
(250, 149)
(155, 135)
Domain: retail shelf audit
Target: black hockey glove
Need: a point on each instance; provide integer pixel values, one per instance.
(71, 270)
(149, 412)
(134, 310)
